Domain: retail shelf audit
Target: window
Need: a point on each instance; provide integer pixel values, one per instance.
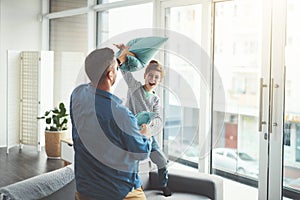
(287, 134)
(61, 5)
(68, 40)
(111, 22)
(182, 88)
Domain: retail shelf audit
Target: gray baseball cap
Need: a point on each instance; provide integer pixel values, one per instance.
(97, 62)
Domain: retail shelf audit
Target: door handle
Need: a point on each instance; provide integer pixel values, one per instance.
(261, 87)
(271, 123)
(271, 106)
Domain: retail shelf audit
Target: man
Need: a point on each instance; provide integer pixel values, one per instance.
(107, 141)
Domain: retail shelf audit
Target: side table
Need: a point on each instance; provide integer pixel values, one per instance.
(67, 151)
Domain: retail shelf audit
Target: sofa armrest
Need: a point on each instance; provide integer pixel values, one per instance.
(191, 182)
(66, 192)
(40, 186)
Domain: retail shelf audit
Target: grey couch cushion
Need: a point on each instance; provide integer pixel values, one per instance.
(157, 195)
(185, 182)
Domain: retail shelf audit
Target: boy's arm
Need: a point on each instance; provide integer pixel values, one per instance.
(130, 80)
(156, 124)
(122, 58)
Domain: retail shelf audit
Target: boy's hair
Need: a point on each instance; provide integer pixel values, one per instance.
(155, 65)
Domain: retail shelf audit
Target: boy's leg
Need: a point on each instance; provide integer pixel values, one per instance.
(158, 157)
(163, 176)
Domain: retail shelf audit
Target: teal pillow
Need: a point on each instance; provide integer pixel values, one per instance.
(144, 49)
(145, 117)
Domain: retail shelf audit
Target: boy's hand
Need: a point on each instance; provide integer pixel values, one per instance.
(144, 131)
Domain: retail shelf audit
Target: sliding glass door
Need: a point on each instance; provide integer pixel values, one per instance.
(291, 137)
(237, 60)
(255, 54)
(185, 87)
(254, 118)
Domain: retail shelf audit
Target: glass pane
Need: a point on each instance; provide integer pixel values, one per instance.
(111, 22)
(182, 113)
(61, 5)
(68, 40)
(291, 177)
(237, 60)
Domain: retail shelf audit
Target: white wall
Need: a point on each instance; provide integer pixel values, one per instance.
(19, 30)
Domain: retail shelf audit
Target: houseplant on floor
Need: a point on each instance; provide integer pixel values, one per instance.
(56, 129)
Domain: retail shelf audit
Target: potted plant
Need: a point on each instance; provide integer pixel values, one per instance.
(56, 127)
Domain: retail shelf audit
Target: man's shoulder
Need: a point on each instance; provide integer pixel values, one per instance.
(79, 88)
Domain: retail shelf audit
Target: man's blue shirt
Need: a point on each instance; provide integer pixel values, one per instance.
(107, 144)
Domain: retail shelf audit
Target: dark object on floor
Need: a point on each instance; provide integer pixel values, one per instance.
(166, 191)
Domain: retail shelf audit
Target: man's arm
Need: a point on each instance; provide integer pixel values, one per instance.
(134, 140)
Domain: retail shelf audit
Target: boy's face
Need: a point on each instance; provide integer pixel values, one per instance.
(152, 79)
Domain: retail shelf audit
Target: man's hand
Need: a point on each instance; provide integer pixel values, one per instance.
(119, 46)
(124, 52)
(144, 131)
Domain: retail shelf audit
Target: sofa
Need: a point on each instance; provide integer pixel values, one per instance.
(60, 184)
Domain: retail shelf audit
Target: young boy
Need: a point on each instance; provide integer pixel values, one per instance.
(142, 97)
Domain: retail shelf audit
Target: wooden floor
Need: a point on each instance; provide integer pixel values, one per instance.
(22, 164)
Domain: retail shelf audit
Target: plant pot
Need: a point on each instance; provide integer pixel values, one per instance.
(52, 143)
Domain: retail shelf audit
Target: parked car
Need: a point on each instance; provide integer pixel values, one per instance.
(236, 162)
(184, 150)
(191, 153)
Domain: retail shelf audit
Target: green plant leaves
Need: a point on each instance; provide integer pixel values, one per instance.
(62, 107)
(58, 121)
(48, 120)
(65, 121)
